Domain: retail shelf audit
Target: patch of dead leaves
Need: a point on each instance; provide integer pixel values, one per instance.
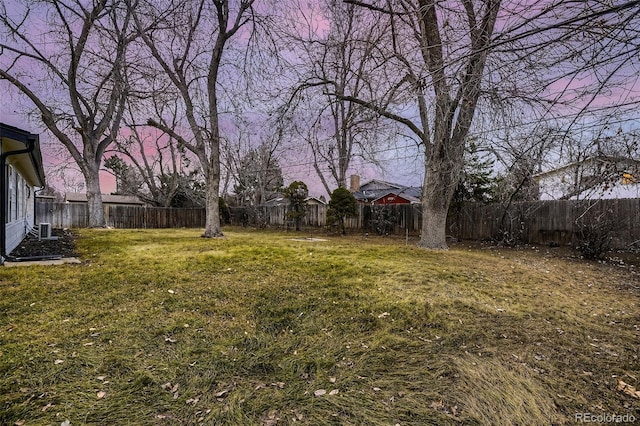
(443, 408)
(628, 389)
(270, 419)
(172, 389)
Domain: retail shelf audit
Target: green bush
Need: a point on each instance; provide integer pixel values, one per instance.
(341, 205)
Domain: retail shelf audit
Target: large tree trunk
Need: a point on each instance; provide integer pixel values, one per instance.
(435, 207)
(212, 225)
(442, 173)
(94, 197)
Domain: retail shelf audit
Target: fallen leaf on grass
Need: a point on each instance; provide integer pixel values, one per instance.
(192, 401)
(270, 419)
(222, 393)
(628, 389)
(19, 423)
(320, 392)
(101, 394)
(46, 407)
(58, 361)
(384, 314)
(437, 405)
(171, 388)
(334, 392)
(279, 385)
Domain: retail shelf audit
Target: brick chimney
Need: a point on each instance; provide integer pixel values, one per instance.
(354, 183)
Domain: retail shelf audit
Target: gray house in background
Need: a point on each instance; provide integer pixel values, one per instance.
(22, 173)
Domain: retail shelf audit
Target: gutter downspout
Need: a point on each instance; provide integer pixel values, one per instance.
(3, 194)
(35, 206)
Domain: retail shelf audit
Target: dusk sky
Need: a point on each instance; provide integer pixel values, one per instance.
(399, 159)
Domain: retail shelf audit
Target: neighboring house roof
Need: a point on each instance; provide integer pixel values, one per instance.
(277, 201)
(379, 184)
(281, 200)
(314, 200)
(622, 162)
(77, 197)
(376, 189)
(29, 165)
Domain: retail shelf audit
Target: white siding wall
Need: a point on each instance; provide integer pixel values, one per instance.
(20, 212)
(555, 186)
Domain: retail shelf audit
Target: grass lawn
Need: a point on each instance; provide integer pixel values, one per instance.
(161, 327)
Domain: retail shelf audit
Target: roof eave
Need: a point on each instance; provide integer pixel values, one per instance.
(15, 139)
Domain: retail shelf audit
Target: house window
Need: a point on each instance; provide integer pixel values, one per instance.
(11, 195)
(7, 175)
(14, 196)
(20, 197)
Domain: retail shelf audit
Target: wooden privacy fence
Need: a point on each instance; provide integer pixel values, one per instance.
(69, 215)
(536, 222)
(558, 222)
(388, 220)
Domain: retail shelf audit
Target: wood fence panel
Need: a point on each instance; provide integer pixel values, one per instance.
(69, 215)
(548, 222)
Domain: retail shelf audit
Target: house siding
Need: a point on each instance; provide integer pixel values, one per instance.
(555, 187)
(591, 179)
(20, 209)
(16, 231)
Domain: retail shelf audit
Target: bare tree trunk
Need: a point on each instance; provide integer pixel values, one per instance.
(212, 224)
(434, 221)
(94, 201)
(440, 180)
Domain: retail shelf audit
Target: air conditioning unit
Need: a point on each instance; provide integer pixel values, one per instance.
(44, 231)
